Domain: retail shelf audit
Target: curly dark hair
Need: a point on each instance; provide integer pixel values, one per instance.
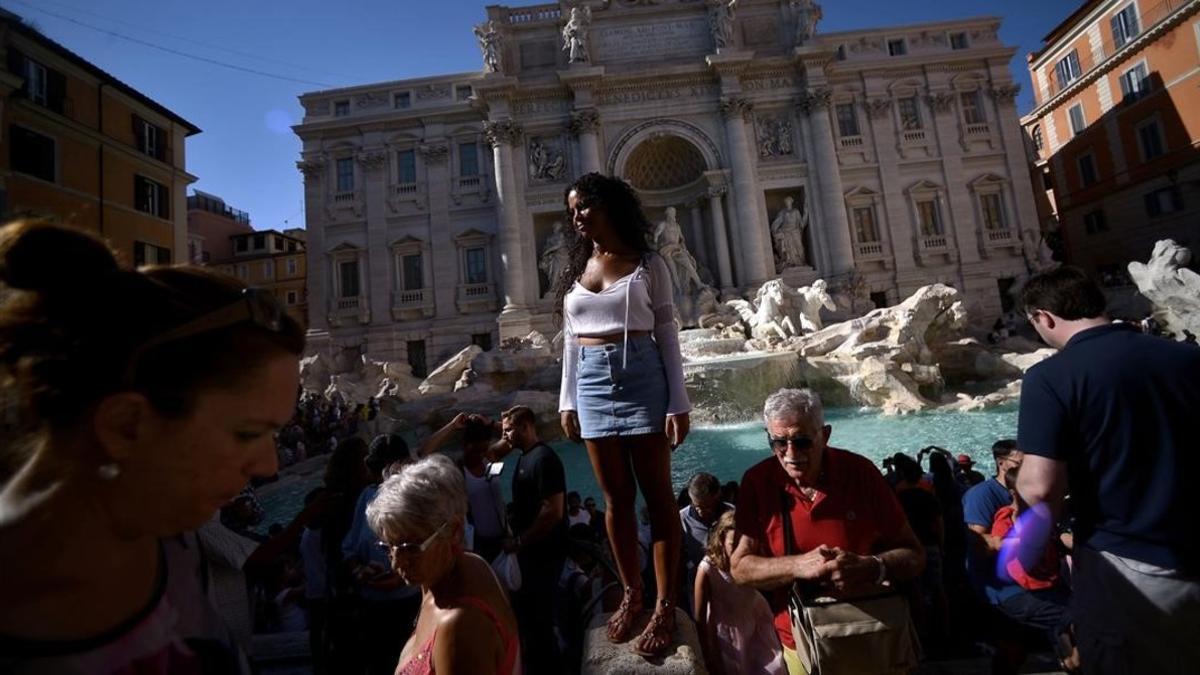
(621, 204)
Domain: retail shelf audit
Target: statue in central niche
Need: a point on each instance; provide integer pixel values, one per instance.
(668, 239)
(575, 34)
(787, 235)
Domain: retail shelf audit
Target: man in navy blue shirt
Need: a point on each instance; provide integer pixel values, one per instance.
(1115, 418)
(980, 505)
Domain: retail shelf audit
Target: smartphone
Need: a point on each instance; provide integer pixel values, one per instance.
(495, 469)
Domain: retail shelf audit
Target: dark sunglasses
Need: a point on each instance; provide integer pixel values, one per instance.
(256, 305)
(799, 442)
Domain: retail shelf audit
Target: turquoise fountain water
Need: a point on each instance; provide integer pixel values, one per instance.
(727, 451)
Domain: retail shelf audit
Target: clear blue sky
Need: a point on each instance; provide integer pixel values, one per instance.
(247, 152)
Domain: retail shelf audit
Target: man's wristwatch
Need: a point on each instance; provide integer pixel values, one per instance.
(882, 571)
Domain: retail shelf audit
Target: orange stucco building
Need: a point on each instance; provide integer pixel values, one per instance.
(1114, 131)
(273, 260)
(80, 147)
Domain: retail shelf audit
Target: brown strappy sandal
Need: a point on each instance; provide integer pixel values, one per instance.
(620, 624)
(659, 634)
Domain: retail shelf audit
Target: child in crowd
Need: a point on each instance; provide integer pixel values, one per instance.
(735, 623)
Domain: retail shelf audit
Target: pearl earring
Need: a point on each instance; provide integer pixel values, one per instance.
(108, 470)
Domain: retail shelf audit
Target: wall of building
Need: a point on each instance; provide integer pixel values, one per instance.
(1167, 45)
(96, 154)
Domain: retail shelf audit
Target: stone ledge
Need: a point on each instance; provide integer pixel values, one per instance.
(601, 657)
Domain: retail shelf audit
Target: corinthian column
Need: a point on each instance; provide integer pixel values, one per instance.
(836, 226)
(502, 135)
(748, 229)
(584, 125)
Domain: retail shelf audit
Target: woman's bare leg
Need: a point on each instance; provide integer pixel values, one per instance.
(651, 456)
(610, 462)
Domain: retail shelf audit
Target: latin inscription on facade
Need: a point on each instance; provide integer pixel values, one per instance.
(667, 39)
(668, 93)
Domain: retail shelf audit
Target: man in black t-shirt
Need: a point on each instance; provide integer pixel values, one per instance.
(1117, 414)
(539, 538)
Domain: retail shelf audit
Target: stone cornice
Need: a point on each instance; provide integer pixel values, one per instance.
(434, 153)
(371, 159)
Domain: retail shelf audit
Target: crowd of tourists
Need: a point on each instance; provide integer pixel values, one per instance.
(408, 559)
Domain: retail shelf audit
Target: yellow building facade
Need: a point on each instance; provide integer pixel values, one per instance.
(79, 147)
(273, 260)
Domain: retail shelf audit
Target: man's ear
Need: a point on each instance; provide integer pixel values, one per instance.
(826, 431)
(120, 421)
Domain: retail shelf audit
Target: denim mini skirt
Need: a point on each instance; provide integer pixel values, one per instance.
(617, 396)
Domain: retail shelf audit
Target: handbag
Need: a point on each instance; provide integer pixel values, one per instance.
(872, 635)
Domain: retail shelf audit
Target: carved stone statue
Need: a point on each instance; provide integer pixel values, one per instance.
(787, 234)
(812, 299)
(575, 34)
(720, 22)
(668, 239)
(807, 13)
(489, 43)
(1173, 289)
(545, 164)
(555, 254)
(1038, 255)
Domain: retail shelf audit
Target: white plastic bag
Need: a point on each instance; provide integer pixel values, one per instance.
(508, 570)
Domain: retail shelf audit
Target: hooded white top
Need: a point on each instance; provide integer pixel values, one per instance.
(639, 301)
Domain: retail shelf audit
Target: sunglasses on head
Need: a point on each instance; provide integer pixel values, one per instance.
(256, 305)
(798, 442)
(409, 548)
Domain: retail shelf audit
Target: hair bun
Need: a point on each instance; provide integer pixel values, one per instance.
(37, 256)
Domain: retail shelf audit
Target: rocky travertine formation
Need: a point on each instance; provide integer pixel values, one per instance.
(1171, 287)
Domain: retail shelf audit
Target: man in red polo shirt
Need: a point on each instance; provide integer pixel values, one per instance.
(849, 531)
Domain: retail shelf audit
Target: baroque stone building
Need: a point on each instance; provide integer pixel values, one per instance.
(432, 202)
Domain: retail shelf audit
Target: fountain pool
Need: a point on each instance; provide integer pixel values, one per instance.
(728, 450)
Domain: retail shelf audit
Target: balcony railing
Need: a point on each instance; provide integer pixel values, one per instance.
(534, 14)
(410, 298)
(934, 242)
(1000, 236)
(913, 136)
(404, 189)
(979, 129)
(851, 142)
(870, 249)
(345, 197)
(473, 291)
(345, 304)
(468, 182)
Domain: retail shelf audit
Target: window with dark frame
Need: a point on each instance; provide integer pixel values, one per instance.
(406, 166)
(897, 47)
(476, 266)
(151, 140)
(348, 276)
(31, 153)
(1067, 70)
(412, 273)
(972, 107)
(1124, 25)
(341, 108)
(401, 100)
(468, 160)
(1078, 123)
(416, 358)
(1163, 201)
(958, 41)
(151, 197)
(910, 113)
(1094, 222)
(1088, 175)
(345, 175)
(1150, 139)
(1135, 83)
(847, 119)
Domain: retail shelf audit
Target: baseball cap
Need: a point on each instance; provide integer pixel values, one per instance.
(965, 460)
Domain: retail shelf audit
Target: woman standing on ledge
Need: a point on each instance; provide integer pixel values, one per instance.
(622, 387)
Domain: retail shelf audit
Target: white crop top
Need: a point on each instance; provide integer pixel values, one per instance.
(639, 301)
